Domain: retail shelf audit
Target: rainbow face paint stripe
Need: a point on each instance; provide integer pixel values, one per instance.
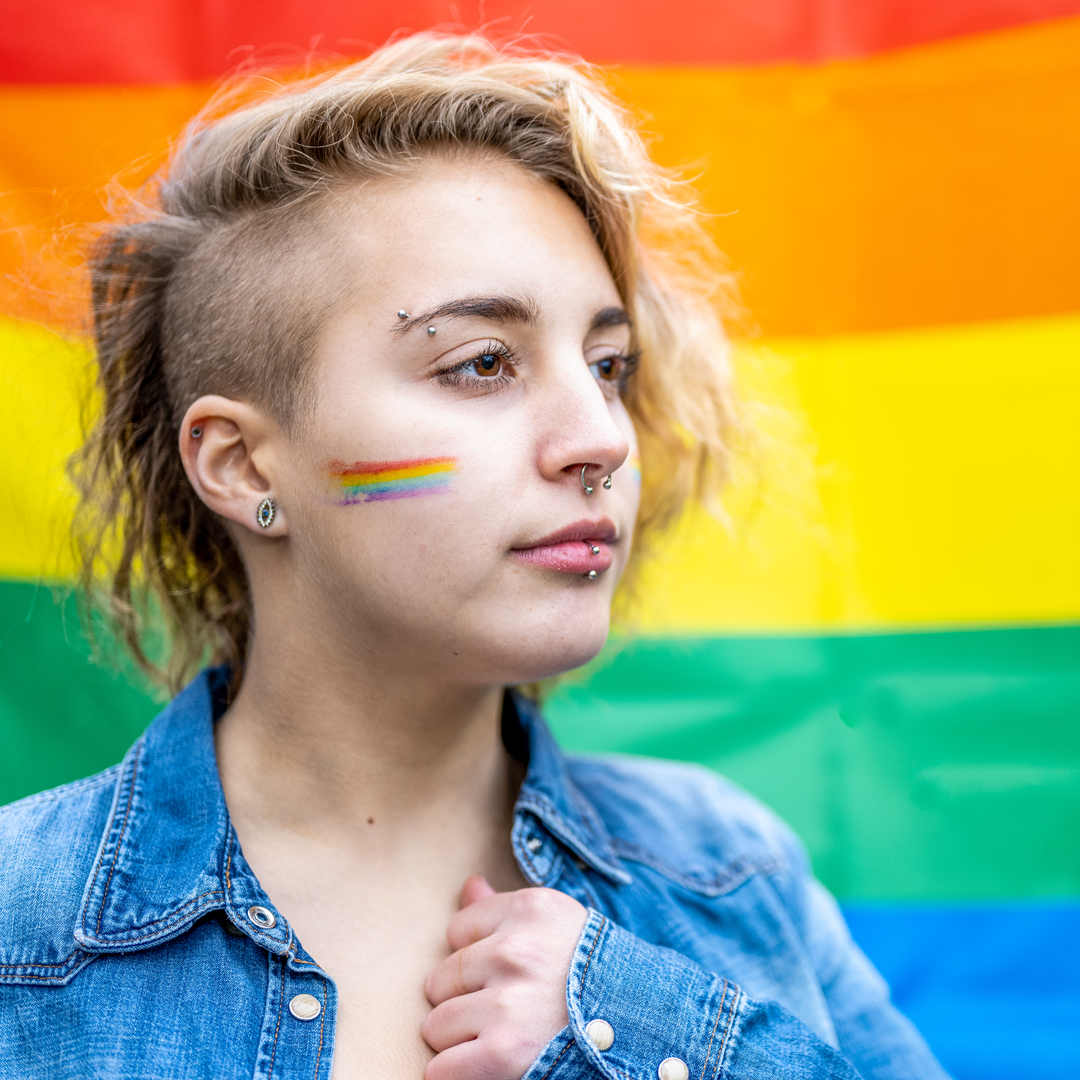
(378, 481)
(635, 468)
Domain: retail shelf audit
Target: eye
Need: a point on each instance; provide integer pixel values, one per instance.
(608, 369)
(488, 364)
(614, 369)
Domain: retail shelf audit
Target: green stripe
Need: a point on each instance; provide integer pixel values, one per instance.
(915, 766)
(61, 717)
(925, 766)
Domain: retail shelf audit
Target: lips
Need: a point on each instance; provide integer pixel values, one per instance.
(570, 550)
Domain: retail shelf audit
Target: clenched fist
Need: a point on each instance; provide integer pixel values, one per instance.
(501, 996)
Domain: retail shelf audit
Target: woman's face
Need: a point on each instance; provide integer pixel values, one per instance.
(434, 503)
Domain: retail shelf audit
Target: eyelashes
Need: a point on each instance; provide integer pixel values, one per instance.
(486, 370)
(492, 366)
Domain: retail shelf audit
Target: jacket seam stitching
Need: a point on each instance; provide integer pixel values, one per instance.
(63, 963)
(712, 1034)
(277, 1027)
(15, 974)
(588, 961)
(119, 841)
(723, 1045)
(551, 1069)
(165, 918)
(322, 1024)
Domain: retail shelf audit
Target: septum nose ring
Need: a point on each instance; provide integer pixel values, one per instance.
(588, 488)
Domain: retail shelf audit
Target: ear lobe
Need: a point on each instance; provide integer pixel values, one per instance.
(220, 440)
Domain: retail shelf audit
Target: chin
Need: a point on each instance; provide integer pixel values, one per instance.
(558, 645)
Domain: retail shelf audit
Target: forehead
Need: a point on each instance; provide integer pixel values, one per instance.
(483, 225)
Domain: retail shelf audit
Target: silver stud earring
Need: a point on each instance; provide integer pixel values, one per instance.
(196, 432)
(266, 513)
(431, 331)
(402, 314)
(607, 483)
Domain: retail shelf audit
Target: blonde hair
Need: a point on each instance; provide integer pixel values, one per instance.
(193, 291)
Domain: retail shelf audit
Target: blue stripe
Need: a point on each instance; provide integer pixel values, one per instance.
(995, 989)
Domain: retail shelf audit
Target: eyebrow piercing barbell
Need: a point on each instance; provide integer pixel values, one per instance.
(431, 331)
(402, 314)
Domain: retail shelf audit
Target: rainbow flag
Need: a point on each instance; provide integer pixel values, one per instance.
(884, 644)
(377, 481)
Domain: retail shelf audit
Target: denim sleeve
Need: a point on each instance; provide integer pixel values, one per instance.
(872, 1032)
(666, 1010)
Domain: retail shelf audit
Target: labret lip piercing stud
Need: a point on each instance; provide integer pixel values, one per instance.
(594, 549)
(591, 575)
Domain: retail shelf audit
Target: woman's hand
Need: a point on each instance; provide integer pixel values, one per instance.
(500, 997)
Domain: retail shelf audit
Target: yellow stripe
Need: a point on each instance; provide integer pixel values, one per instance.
(945, 487)
(43, 379)
(357, 479)
(925, 186)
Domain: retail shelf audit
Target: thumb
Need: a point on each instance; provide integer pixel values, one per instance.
(476, 888)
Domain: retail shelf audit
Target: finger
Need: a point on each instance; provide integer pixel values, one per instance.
(479, 920)
(476, 888)
(462, 972)
(456, 1020)
(491, 1058)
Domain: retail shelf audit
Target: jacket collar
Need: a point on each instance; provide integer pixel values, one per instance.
(169, 855)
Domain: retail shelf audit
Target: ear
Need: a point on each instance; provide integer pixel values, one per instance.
(228, 452)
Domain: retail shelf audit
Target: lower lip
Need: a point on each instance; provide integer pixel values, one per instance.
(571, 557)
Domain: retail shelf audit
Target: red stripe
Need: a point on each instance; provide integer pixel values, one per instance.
(358, 468)
(165, 41)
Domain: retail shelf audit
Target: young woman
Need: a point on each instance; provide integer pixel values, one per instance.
(375, 365)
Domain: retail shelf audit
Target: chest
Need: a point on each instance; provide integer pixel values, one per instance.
(379, 955)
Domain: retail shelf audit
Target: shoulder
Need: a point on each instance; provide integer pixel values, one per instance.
(48, 844)
(685, 821)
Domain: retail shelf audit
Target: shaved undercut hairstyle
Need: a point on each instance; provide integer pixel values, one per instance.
(208, 281)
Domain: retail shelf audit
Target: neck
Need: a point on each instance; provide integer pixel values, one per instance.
(324, 743)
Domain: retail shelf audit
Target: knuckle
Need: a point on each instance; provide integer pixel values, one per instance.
(502, 1053)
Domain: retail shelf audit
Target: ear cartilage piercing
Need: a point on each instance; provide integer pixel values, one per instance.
(266, 513)
(607, 483)
(431, 331)
(594, 549)
(196, 432)
(402, 314)
(588, 490)
(591, 575)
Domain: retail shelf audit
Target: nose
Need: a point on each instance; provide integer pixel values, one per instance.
(582, 442)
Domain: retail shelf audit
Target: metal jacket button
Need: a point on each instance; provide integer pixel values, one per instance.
(262, 917)
(673, 1069)
(305, 1007)
(600, 1033)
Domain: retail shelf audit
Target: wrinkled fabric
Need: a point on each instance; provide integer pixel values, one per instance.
(127, 948)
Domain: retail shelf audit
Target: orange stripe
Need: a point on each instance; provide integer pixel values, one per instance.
(931, 186)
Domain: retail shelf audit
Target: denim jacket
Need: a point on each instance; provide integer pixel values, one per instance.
(136, 942)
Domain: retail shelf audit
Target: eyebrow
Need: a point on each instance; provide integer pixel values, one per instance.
(610, 316)
(504, 309)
